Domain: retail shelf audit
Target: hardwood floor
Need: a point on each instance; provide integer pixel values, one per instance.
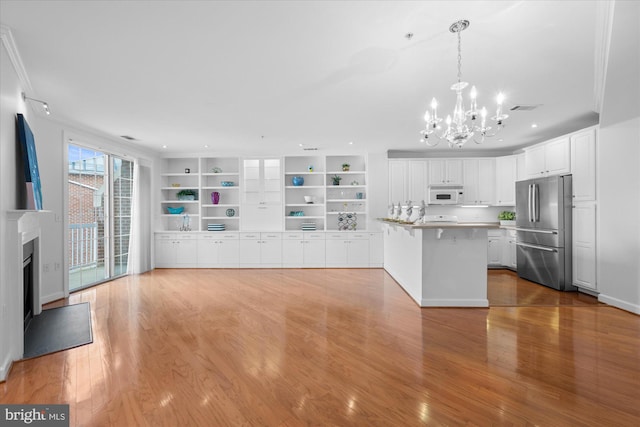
(336, 347)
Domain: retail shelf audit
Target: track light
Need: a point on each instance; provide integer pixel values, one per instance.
(45, 106)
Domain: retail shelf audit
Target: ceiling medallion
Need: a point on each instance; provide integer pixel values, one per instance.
(463, 125)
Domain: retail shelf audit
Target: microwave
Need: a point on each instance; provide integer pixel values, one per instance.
(445, 194)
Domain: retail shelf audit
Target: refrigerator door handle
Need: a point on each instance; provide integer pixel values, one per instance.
(531, 230)
(529, 203)
(542, 248)
(536, 212)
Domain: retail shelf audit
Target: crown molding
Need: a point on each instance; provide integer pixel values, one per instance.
(9, 44)
(604, 27)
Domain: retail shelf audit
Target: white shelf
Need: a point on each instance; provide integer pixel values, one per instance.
(220, 173)
(305, 204)
(346, 200)
(220, 205)
(304, 173)
(337, 213)
(180, 215)
(345, 172)
(221, 217)
(180, 174)
(222, 187)
(304, 186)
(303, 217)
(179, 201)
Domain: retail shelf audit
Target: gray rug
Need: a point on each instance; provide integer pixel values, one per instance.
(58, 329)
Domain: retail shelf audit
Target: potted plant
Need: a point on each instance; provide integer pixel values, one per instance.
(336, 179)
(186, 195)
(507, 218)
(345, 166)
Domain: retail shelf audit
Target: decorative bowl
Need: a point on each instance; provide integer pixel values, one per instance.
(297, 181)
(296, 213)
(227, 183)
(216, 170)
(175, 211)
(309, 199)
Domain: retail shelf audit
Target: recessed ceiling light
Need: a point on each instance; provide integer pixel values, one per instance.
(534, 125)
(299, 145)
(164, 146)
(500, 140)
(350, 142)
(206, 146)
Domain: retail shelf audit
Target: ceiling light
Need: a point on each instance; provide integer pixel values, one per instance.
(534, 125)
(463, 125)
(350, 142)
(206, 146)
(45, 106)
(164, 146)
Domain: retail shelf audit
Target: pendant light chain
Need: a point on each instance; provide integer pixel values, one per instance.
(459, 57)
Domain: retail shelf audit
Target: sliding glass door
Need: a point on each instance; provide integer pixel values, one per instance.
(100, 188)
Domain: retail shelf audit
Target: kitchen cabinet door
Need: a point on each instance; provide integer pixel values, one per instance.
(186, 251)
(314, 253)
(534, 162)
(208, 252)
(506, 175)
(584, 245)
(445, 171)
(494, 252)
(229, 253)
(376, 250)
(417, 181)
(397, 181)
(479, 181)
(165, 251)
(336, 253)
(583, 165)
(557, 157)
(292, 253)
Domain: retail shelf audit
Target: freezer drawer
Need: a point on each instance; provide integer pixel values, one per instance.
(541, 237)
(545, 265)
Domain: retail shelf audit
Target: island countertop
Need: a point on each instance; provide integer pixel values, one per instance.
(435, 224)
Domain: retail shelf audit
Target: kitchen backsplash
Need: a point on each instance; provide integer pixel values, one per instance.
(489, 214)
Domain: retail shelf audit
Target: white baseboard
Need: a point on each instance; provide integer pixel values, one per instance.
(454, 303)
(624, 305)
(5, 368)
(51, 297)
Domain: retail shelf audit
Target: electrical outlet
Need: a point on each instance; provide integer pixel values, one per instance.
(45, 268)
(57, 266)
(57, 218)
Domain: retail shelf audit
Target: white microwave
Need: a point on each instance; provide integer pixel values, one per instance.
(445, 194)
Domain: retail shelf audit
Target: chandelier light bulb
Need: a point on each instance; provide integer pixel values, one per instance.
(500, 98)
(473, 93)
(427, 116)
(434, 104)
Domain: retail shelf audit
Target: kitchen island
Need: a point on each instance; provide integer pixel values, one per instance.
(439, 264)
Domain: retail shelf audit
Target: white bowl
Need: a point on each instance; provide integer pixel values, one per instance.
(309, 199)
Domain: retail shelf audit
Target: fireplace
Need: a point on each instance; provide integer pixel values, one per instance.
(27, 282)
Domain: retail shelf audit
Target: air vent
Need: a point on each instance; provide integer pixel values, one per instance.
(128, 138)
(525, 107)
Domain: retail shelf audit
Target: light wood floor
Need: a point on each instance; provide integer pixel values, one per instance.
(336, 347)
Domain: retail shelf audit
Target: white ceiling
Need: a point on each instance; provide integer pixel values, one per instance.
(266, 76)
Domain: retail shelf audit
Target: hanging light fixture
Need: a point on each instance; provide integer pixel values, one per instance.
(463, 125)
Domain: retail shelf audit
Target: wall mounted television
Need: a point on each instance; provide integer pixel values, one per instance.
(30, 164)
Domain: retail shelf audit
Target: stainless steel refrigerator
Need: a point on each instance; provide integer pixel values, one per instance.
(543, 225)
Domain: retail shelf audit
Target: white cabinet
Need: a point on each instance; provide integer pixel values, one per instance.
(217, 250)
(347, 249)
(220, 204)
(259, 250)
(583, 165)
(376, 249)
(407, 181)
(550, 158)
(479, 181)
(261, 195)
(175, 250)
(521, 167)
(584, 245)
(445, 171)
(506, 176)
(304, 191)
(509, 249)
(306, 250)
(494, 250)
(350, 192)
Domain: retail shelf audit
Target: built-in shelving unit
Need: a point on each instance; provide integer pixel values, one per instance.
(240, 185)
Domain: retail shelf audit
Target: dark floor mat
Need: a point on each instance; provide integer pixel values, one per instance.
(58, 329)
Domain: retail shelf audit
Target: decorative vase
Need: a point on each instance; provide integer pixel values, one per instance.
(336, 182)
(297, 181)
(215, 197)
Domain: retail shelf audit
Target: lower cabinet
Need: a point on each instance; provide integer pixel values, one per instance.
(219, 250)
(509, 249)
(303, 250)
(376, 249)
(176, 250)
(494, 251)
(261, 250)
(584, 245)
(347, 249)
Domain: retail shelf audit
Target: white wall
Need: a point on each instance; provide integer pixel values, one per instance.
(619, 160)
(11, 104)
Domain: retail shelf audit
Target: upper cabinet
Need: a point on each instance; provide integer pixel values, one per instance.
(445, 171)
(583, 165)
(407, 181)
(550, 158)
(479, 181)
(262, 195)
(506, 177)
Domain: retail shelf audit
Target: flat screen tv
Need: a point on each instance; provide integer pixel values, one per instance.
(30, 164)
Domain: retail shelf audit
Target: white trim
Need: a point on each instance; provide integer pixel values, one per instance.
(618, 303)
(12, 50)
(604, 27)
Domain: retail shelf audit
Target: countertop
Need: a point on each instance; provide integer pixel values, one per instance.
(495, 225)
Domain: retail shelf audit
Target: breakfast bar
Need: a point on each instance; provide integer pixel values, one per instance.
(439, 264)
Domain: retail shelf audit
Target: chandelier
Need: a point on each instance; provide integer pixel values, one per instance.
(463, 125)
